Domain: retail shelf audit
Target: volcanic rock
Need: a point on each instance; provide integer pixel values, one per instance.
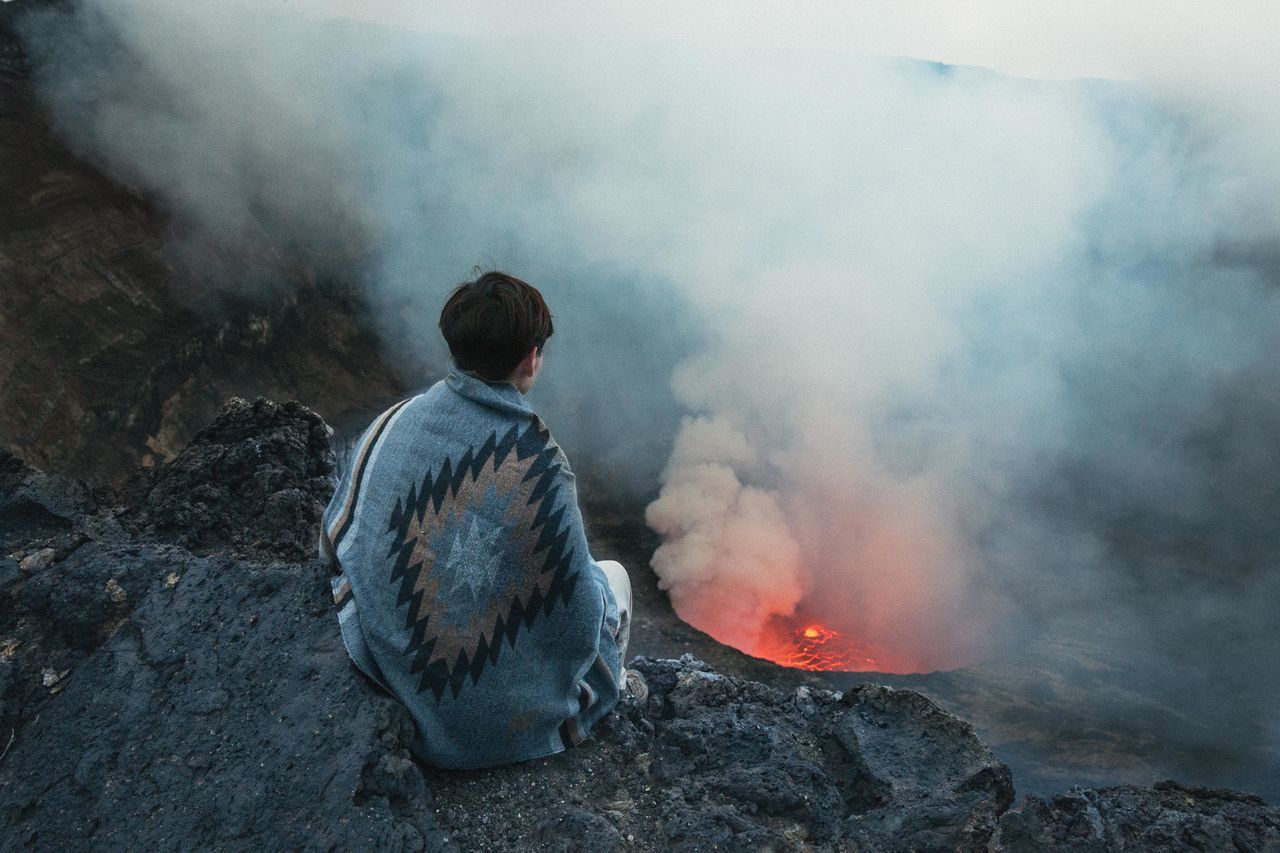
(1165, 816)
(253, 482)
(35, 505)
(10, 573)
(716, 762)
(152, 697)
(220, 712)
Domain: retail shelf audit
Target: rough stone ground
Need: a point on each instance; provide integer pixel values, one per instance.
(152, 697)
(715, 762)
(1165, 816)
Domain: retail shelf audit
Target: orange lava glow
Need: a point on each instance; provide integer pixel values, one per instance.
(821, 648)
(817, 647)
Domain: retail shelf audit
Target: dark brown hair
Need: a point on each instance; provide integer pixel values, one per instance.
(491, 323)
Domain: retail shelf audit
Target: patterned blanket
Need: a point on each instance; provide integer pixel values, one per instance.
(464, 581)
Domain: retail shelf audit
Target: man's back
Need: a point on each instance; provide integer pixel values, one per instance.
(467, 586)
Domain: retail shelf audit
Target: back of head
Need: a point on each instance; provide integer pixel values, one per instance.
(491, 324)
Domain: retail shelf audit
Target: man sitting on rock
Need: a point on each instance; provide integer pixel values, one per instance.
(465, 586)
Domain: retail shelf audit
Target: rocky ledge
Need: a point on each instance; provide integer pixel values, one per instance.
(172, 677)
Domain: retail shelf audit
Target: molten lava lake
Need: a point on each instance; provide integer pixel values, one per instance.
(814, 646)
(810, 644)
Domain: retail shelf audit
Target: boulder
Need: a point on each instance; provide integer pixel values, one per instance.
(253, 483)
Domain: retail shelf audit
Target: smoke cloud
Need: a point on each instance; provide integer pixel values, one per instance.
(948, 359)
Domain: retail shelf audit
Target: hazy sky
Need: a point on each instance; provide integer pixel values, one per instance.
(1219, 58)
(1031, 38)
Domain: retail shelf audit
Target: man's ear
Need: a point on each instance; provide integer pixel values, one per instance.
(525, 367)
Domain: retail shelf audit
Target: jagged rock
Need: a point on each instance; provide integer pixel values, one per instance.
(36, 506)
(254, 482)
(1165, 816)
(716, 762)
(923, 779)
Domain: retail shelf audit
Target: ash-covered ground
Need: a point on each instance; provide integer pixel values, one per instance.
(172, 677)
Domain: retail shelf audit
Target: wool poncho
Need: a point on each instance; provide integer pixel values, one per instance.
(463, 578)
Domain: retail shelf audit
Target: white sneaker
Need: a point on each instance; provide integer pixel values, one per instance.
(636, 687)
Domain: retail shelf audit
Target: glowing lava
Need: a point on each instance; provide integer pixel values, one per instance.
(817, 647)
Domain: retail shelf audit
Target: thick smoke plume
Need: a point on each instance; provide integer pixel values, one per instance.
(965, 361)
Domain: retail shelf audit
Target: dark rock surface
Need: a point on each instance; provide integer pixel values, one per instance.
(715, 762)
(253, 482)
(1165, 816)
(34, 504)
(152, 697)
(220, 713)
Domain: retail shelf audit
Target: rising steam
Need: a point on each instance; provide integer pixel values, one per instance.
(964, 360)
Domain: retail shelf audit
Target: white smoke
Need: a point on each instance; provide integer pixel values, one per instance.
(838, 353)
(962, 358)
(730, 560)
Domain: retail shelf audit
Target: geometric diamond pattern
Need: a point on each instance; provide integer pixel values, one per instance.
(479, 555)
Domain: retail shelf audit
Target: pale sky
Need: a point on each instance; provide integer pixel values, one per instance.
(1167, 40)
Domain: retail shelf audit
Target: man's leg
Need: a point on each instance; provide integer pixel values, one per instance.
(620, 584)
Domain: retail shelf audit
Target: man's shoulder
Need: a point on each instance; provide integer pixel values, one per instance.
(441, 421)
(436, 402)
(467, 414)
